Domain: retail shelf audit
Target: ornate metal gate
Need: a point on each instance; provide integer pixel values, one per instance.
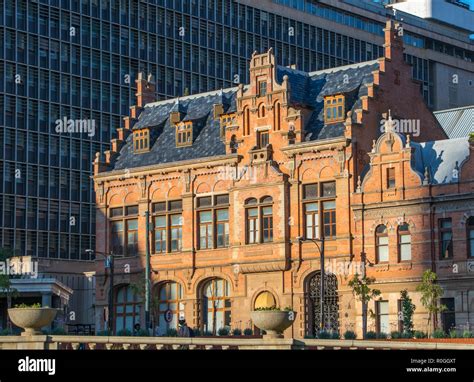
(331, 303)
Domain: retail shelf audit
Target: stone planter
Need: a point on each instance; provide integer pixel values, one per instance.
(32, 319)
(274, 322)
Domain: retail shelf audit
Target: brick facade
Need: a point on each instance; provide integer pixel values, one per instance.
(250, 172)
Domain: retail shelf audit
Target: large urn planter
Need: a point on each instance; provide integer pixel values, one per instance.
(274, 322)
(32, 319)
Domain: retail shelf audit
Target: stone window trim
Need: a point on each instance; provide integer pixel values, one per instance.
(217, 229)
(334, 109)
(382, 249)
(259, 227)
(404, 242)
(318, 219)
(166, 209)
(184, 134)
(125, 215)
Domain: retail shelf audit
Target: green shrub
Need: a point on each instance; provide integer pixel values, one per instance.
(207, 333)
(323, 335)
(453, 333)
(335, 335)
(103, 333)
(419, 334)
(171, 332)
(59, 332)
(23, 306)
(223, 331)
(142, 333)
(395, 335)
(350, 335)
(236, 332)
(382, 336)
(467, 334)
(438, 333)
(124, 333)
(197, 332)
(407, 335)
(371, 335)
(5, 332)
(248, 332)
(309, 337)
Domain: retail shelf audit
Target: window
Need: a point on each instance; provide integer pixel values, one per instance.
(262, 88)
(226, 121)
(213, 221)
(259, 213)
(404, 242)
(383, 324)
(263, 139)
(381, 244)
(470, 237)
(167, 226)
(445, 239)
(124, 230)
(448, 316)
(334, 109)
(141, 140)
(170, 295)
(216, 305)
(127, 309)
(319, 203)
(184, 134)
(390, 178)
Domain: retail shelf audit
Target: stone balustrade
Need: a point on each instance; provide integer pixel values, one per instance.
(74, 342)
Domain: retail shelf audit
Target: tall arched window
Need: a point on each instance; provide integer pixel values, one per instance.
(276, 116)
(216, 306)
(261, 110)
(381, 244)
(404, 242)
(170, 306)
(470, 237)
(127, 308)
(246, 121)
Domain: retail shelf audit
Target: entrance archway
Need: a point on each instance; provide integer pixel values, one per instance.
(313, 303)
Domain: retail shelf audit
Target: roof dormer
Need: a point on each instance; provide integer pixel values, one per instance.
(184, 133)
(334, 108)
(141, 140)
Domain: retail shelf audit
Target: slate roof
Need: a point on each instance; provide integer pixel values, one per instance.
(306, 90)
(458, 122)
(443, 159)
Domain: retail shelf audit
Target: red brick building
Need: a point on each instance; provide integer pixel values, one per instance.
(233, 179)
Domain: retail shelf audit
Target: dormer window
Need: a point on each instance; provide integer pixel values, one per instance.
(226, 120)
(184, 134)
(334, 109)
(141, 140)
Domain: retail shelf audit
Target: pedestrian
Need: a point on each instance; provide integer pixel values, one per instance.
(183, 329)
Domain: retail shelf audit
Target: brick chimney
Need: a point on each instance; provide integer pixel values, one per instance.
(393, 40)
(145, 89)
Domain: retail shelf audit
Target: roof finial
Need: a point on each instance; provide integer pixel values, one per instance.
(389, 123)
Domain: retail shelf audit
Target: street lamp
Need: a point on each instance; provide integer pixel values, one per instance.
(302, 239)
(109, 263)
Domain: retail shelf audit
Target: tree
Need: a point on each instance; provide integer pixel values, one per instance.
(408, 309)
(6, 289)
(139, 288)
(364, 293)
(430, 294)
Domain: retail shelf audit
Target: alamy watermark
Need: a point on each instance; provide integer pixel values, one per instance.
(402, 126)
(19, 267)
(66, 125)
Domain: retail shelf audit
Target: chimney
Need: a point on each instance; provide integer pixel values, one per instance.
(393, 40)
(145, 89)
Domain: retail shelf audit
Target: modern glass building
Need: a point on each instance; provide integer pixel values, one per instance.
(67, 77)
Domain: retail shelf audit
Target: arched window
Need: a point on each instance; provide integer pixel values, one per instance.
(470, 237)
(259, 220)
(381, 244)
(170, 306)
(246, 121)
(276, 116)
(404, 242)
(127, 308)
(265, 300)
(216, 307)
(261, 111)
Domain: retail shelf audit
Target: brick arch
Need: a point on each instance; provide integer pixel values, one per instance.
(115, 200)
(173, 192)
(203, 188)
(170, 279)
(308, 174)
(326, 173)
(131, 197)
(157, 194)
(264, 289)
(201, 280)
(219, 186)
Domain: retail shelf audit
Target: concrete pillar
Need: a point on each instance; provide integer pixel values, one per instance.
(47, 301)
